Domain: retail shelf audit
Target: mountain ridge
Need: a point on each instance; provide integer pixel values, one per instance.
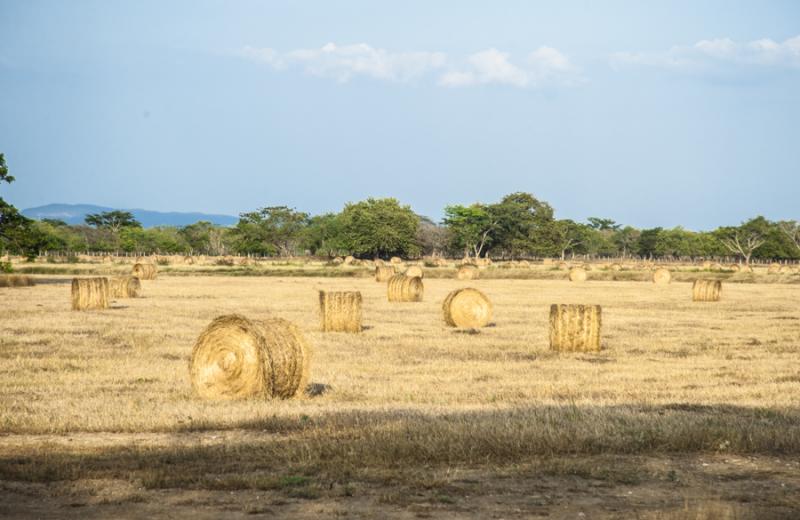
(76, 213)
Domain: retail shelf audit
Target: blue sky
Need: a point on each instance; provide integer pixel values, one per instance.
(657, 113)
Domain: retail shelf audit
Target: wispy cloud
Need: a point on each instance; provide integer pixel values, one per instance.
(341, 63)
(721, 52)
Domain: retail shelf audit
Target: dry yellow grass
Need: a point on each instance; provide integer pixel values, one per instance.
(107, 394)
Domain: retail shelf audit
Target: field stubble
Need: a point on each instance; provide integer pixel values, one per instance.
(106, 394)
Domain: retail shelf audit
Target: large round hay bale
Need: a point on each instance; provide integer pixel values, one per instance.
(467, 272)
(349, 260)
(441, 262)
(563, 266)
(706, 266)
(414, 271)
(467, 309)
(662, 276)
(615, 267)
(383, 273)
(774, 268)
(16, 280)
(145, 271)
(89, 293)
(524, 264)
(396, 260)
(706, 290)
(337, 261)
(238, 358)
(786, 269)
(188, 260)
(379, 262)
(402, 288)
(577, 274)
(124, 287)
(340, 311)
(575, 328)
(735, 268)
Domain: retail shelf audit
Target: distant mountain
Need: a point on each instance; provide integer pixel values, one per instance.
(75, 213)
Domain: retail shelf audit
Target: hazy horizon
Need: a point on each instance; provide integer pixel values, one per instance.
(672, 114)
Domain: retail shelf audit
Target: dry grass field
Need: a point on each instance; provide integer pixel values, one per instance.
(690, 410)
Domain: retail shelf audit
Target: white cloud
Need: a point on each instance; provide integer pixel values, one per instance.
(720, 52)
(545, 65)
(344, 62)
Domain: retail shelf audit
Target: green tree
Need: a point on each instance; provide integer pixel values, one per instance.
(205, 238)
(16, 233)
(324, 236)
(603, 224)
(745, 239)
(114, 221)
(626, 240)
(379, 227)
(270, 231)
(520, 220)
(470, 228)
(566, 236)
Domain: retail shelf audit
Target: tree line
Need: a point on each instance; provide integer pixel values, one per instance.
(518, 226)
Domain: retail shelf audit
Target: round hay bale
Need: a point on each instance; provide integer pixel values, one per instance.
(402, 288)
(616, 267)
(337, 261)
(340, 311)
(577, 274)
(706, 266)
(467, 309)
(379, 262)
(396, 260)
(662, 276)
(188, 260)
(774, 268)
(575, 328)
(735, 268)
(706, 290)
(786, 269)
(716, 267)
(524, 264)
(563, 266)
(349, 260)
(467, 272)
(237, 358)
(441, 262)
(145, 271)
(547, 261)
(414, 271)
(124, 287)
(383, 273)
(89, 293)
(16, 280)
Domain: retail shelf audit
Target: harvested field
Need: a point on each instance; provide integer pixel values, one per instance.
(687, 407)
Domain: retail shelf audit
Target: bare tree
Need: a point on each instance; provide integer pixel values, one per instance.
(743, 243)
(792, 230)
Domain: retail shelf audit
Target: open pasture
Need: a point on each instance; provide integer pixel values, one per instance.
(411, 417)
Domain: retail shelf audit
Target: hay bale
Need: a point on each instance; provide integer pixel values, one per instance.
(706, 266)
(337, 261)
(467, 272)
(396, 260)
(662, 276)
(786, 269)
(616, 267)
(379, 262)
(575, 328)
(188, 260)
(467, 309)
(383, 273)
(340, 311)
(124, 287)
(348, 260)
(16, 280)
(706, 290)
(547, 261)
(441, 262)
(145, 271)
(89, 293)
(735, 268)
(238, 358)
(414, 271)
(774, 268)
(524, 264)
(577, 274)
(402, 288)
(563, 266)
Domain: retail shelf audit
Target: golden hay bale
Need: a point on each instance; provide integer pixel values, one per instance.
(662, 276)
(145, 271)
(706, 266)
(735, 268)
(577, 274)
(616, 267)
(188, 260)
(16, 280)
(563, 266)
(383, 273)
(467, 309)
(774, 268)
(467, 272)
(785, 269)
(414, 271)
(89, 293)
(124, 287)
(396, 260)
(379, 262)
(337, 261)
(524, 264)
(706, 290)
(547, 261)
(402, 288)
(575, 328)
(237, 358)
(441, 262)
(349, 260)
(340, 311)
